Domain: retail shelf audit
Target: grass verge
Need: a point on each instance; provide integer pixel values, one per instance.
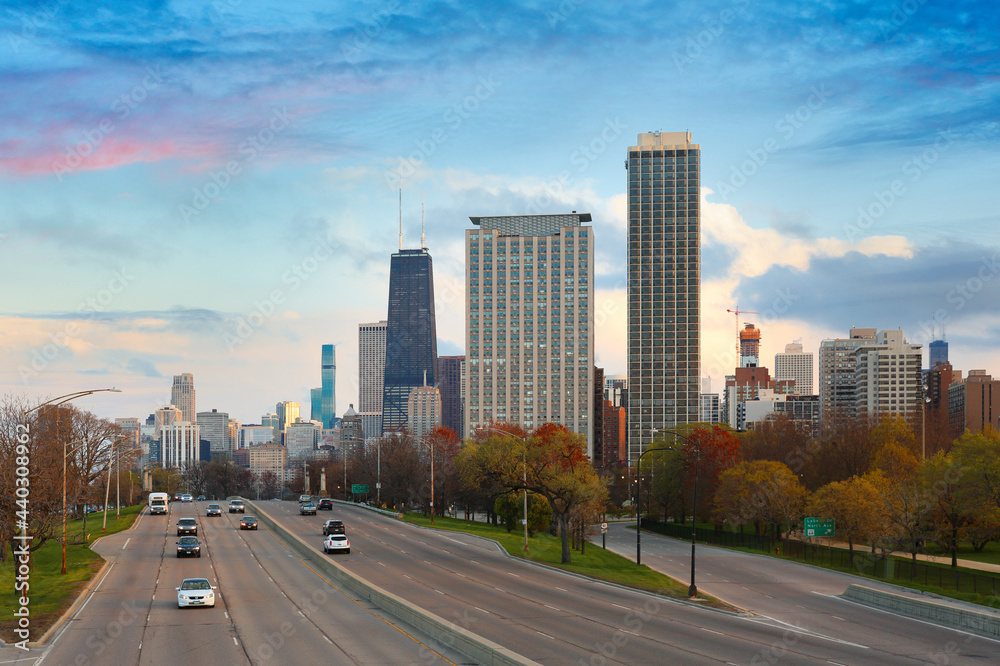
(50, 593)
(594, 561)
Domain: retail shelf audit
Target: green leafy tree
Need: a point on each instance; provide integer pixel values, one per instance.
(855, 507)
(759, 492)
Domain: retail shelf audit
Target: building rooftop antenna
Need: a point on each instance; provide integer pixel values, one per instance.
(423, 240)
(401, 218)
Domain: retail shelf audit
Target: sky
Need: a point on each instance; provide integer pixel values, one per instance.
(214, 187)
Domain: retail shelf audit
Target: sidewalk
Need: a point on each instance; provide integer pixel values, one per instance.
(933, 559)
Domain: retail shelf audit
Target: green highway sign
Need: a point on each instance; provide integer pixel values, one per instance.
(814, 527)
(359, 488)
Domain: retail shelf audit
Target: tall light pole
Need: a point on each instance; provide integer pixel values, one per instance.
(524, 476)
(55, 402)
(692, 589)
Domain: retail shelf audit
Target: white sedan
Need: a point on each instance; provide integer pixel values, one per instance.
(195, 592)
(335, 543)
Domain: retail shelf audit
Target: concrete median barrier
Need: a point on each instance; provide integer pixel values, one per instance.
(983, 623)
(444, 632)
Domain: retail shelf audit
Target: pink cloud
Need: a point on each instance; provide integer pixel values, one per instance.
(108, 153)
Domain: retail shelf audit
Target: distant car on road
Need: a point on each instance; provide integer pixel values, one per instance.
(305, 498)
(186, 497)
(326, 504)
(201, 498)
(333, 527)
(213, 510)
(236, 506)
(248, 523)
(336, 543)
(188, 545)
(187, 526)
(195, 592)
(307, 509)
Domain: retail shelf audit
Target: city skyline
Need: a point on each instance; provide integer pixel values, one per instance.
(217, 192)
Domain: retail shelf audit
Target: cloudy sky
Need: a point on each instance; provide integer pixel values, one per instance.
(212, 187)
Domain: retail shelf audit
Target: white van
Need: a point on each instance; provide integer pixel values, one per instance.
(158, 503)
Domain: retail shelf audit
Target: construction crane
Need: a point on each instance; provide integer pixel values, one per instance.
(738, 312)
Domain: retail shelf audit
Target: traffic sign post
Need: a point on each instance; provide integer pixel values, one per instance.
(814, 527)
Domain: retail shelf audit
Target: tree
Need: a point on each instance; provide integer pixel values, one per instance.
(855, 507)
(551, 462)
(952, 499)
(760, 491)
(904, 510)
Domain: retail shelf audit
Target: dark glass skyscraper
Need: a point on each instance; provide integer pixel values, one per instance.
(328, 396)
(411, 334)
(664, 284)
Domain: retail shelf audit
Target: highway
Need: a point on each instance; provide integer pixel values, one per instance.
(271, 607)
(799, 595)
(555, 618)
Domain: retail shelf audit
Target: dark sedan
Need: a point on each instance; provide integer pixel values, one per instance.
(248, 523)
(188, 546)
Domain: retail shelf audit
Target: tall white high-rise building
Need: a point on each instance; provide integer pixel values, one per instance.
(179, 444)
(182, 396)
(664, 285)
(530, 322)
(795, 364)
(165, 416)
(423, 410)
(301, 438)
(888, 376)
(371, 376)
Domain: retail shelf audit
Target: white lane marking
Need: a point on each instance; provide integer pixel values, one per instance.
(562, 590)
(513, 574)
(235, 642)
(838, 618)
(712, 631)
(439, 591)
(552, 607)
(154, 597)
(126, 542)
(835, 663)
(381, 564)
(226, 613)
(805, 632)
(546, 635)
(405, 576)
(620, 606)
(301, 613)
(328, 640)
(481, 609)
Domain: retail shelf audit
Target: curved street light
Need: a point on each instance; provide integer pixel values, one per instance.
(524, 472)
(55, 402)
(692, 589)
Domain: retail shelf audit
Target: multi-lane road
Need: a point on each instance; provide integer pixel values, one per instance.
(555, 618)
(273, 608)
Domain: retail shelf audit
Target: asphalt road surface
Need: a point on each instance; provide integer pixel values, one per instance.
(271, 607)
(556, 618)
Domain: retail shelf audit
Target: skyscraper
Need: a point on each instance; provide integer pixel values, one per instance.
(424, 410)
(938, 353)
(328, 371)
(450, 382)
(664, 284)
(182, 396)
(795, 364)
(214, 428)
(411, 334)
(371, 376)
(530, 322)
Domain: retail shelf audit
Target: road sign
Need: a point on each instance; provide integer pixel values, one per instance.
(604, 528)
(814, 527)
(359, 488)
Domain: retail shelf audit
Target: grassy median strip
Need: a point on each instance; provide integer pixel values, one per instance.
(594, 561)
(50, 592)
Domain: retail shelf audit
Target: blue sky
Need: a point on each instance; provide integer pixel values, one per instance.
(212, 187)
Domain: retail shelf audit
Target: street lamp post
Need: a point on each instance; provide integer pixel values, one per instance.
(524, 477)
(55, 402)
(692, 589)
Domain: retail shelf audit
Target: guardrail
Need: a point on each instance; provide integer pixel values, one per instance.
(981, 623)
(447, 633)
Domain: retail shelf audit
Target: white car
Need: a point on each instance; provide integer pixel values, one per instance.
(195, 592)
(335, 543)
